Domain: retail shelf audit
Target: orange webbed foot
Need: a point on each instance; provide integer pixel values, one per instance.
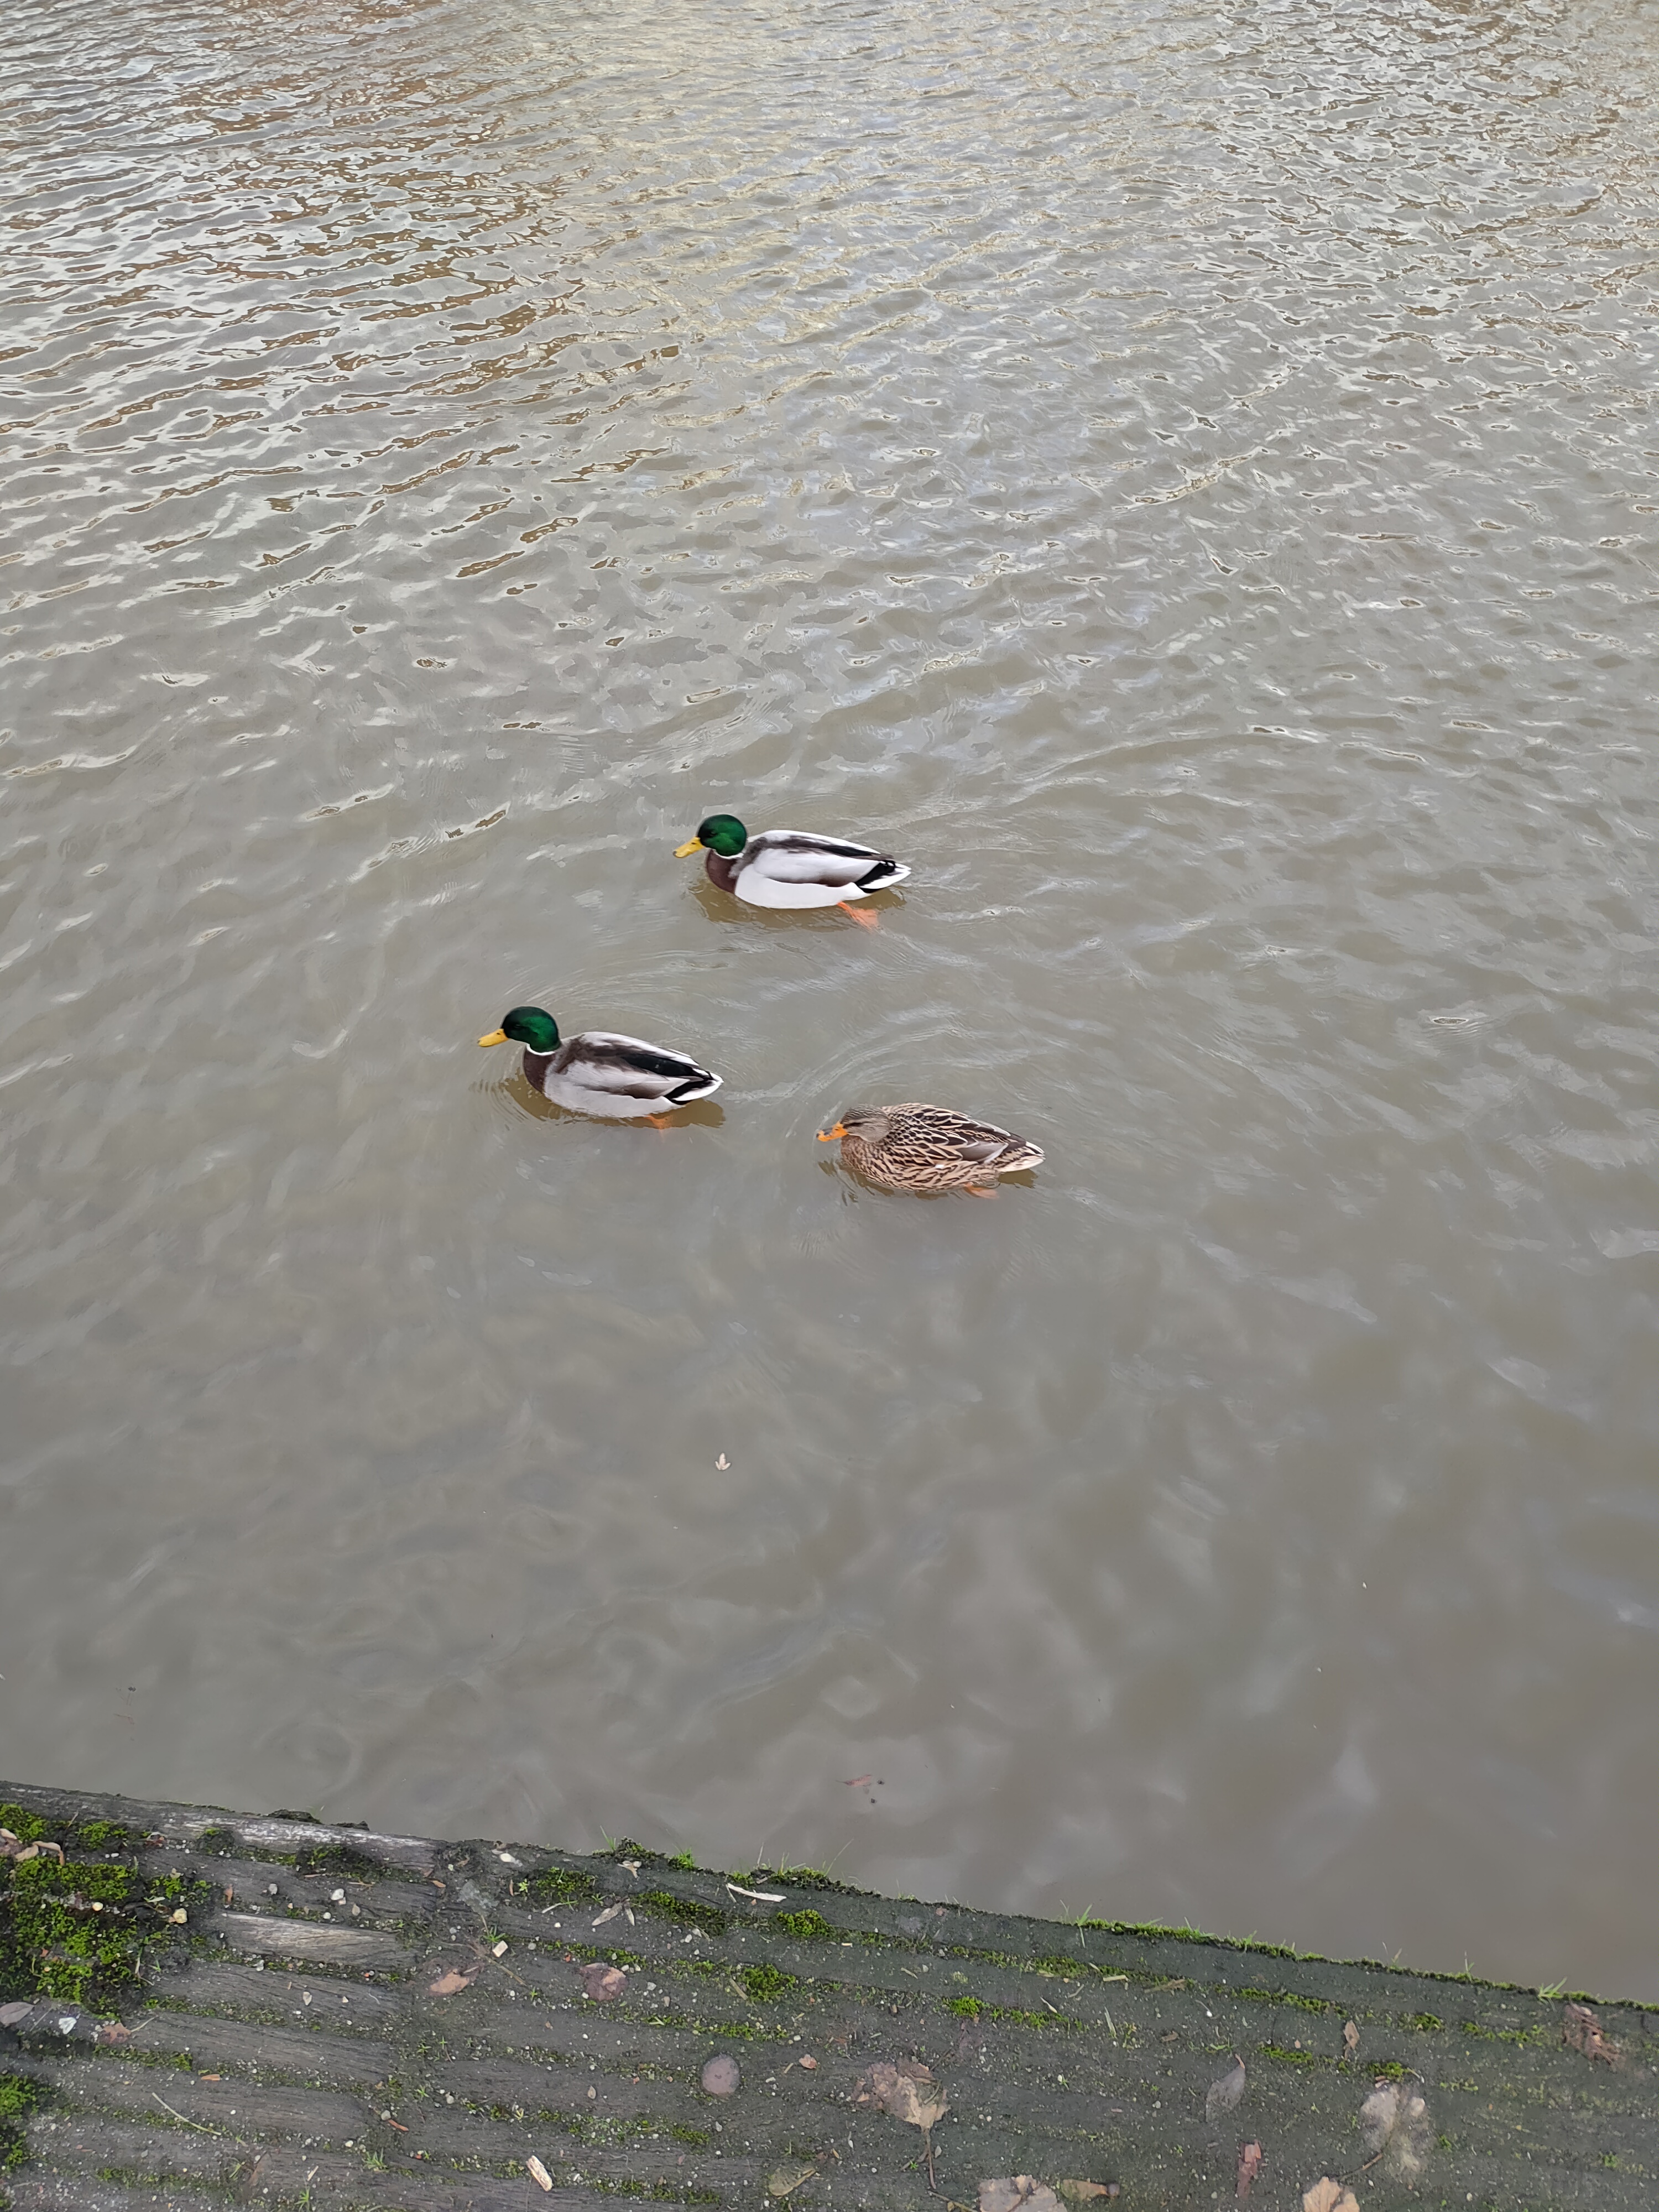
(864, 920)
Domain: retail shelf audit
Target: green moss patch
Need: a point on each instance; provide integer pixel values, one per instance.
(685, 1910)
(78, 1932)
(562, 1886)
(1521, 2037)
(766, 1984)
(1289, 2057)
(20, 2096)
(812, 1927)
(108, 1836)
(806, 1878)
(1286, 1997)
(1150, 1932)
(976, 2008)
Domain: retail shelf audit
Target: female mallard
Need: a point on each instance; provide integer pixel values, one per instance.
(620, 1077)
(918, 1147)
(791, 867)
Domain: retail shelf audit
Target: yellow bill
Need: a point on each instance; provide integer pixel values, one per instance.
(691, 845)
(495, 1036)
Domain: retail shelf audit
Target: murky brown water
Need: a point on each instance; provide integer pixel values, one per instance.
(1180, 476)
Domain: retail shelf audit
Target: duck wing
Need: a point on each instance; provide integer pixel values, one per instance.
(943, 1132)
(787, 857)
(602, 1062)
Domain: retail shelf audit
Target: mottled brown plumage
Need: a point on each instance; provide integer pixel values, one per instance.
(915, 1146)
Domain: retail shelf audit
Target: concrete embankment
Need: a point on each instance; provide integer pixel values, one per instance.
(203, 2008)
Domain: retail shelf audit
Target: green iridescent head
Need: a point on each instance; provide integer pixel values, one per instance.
(721, 833)
(526, 1025)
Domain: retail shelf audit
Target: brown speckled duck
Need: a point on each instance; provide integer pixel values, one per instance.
(928, 1148)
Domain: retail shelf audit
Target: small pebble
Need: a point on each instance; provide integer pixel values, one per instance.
(721, 2076)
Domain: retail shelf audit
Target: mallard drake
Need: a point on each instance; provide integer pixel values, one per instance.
(919, 1147)
(791, 867)
(622, 1077)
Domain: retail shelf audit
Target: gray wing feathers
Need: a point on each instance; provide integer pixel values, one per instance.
(631, 1067)
(792, 856)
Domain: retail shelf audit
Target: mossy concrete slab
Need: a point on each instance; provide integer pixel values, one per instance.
(344, 2019)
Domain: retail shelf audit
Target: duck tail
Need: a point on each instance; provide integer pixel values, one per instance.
(702, 1085)
(883, 875)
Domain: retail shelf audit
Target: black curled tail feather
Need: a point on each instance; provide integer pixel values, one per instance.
(874, 877)
(695, 1084)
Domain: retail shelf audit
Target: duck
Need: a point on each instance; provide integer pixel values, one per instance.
(791, 867)
(915, 1146)
(621, 1078)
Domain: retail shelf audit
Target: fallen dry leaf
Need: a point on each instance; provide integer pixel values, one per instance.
(1351, 2039)
(790, 2175)
(111, 2030)
(1016, 2190)
(907, 2091)
(12, 1850)
(1080, 2192)
(447, 1984)
(601, 1983)
(610, 1913)
(807, 2062)
(1249, 2165)
(539, 2173)
(1394, 2121)
(1225, 2094)
(858, 1782)
(1582, 2029)
(1328, 2196)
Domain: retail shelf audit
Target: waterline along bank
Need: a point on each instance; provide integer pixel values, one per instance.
(206, 2008)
